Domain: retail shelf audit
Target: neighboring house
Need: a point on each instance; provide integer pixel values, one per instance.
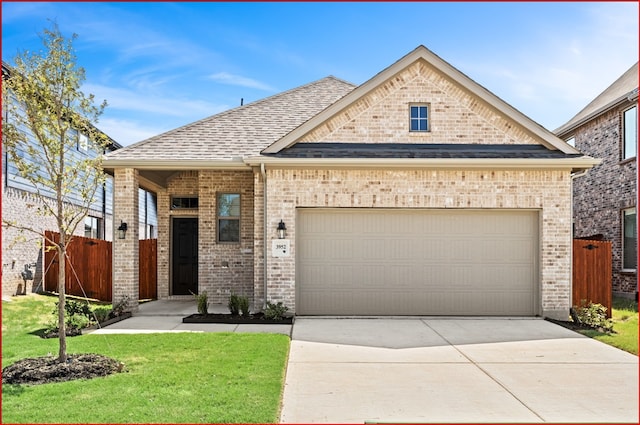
(604, 200)
(417, 192)
(21, 253)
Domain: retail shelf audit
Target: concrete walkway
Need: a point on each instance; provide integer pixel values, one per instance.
(166, 316)
(454, 370)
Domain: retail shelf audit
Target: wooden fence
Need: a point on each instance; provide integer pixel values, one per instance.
(89, 268)
(592, 272)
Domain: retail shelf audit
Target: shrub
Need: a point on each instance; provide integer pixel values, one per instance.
(119, 307)
(234, 304)
(275, 311)
(101, 313)
(594, 315)
(243, 303)
(203, 302)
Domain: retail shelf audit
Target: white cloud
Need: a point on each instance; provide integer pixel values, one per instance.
(555, 74)
(126, 100)
(126, 132)
(237, 80)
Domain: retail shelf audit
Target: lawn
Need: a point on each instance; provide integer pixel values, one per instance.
(168, 378)
(624, 313)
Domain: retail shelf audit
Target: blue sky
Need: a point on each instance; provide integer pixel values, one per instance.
(161, 65)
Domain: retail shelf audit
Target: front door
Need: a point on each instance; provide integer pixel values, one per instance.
(185, 256)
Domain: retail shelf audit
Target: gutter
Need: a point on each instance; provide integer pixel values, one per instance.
(175, 164)
(264, 233)
(574, 163)
(629, 97)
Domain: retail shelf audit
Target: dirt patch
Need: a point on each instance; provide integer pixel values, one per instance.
(253, 319)
(43, 370)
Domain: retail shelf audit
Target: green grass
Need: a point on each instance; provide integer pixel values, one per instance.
(624, 313)
(169, 378)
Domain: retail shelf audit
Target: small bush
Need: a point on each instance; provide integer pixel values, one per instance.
(101, 313)
(243, 303)
(275, 311)
(594, 315)
(203, 302)
(119, 308)
(234, 304)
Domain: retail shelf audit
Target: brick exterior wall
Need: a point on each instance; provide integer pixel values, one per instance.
(455, 116)
(602, 194)
(223, 268)
(25, 247)
(126, 252)
(545, 191)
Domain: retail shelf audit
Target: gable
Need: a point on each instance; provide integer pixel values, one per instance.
(462, 111)
(455, 116)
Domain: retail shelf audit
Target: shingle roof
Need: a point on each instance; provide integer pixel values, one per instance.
(623, 87)
(413, 150)
(242, 131)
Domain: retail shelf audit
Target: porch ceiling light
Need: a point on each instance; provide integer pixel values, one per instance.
(122, 230)
(282, 230)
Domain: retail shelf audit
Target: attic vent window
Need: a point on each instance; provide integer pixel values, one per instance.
(419, 117)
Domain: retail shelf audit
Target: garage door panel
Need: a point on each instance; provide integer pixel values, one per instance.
(417, 262)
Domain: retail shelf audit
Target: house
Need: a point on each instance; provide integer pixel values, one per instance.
(604, 200)
(417, 192)
(22, 255)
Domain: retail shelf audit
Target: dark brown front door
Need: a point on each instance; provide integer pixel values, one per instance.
(185, 256)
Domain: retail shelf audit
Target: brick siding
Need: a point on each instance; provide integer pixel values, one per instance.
(223, 268)
(544, 191)
(602, 194)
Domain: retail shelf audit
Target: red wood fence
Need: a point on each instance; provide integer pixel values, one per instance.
(89, 268)
(592, 273)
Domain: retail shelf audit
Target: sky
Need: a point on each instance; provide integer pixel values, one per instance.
(161, 65)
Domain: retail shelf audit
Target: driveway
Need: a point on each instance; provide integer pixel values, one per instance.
(454, 370)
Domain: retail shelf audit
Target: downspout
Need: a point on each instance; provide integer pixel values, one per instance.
(573, 177)
(264, 233)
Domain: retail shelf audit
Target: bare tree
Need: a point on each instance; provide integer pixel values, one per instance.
(49, 116)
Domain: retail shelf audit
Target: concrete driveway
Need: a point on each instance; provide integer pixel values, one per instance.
(454, 370)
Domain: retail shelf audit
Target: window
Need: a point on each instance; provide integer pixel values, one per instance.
(184, 202)
(630, 133)
(629, 232)
(228, 217)
(83, 143)
(92, 227)
(571, 141)
(418, 118)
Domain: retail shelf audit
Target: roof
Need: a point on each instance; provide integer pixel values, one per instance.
(412, 150)
(7, 70)
(622, 90)
(422, 53)
(239, 132)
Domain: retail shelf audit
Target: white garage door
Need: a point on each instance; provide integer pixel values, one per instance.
(416, 262)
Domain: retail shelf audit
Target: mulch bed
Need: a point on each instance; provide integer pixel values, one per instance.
(43, 370)
(253, 319)
(575, 326)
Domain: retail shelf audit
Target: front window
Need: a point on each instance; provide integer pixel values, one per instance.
(83, 143)
(629, 235)
(630, 133)
(184, 202)
(228, 217)
(92, 227)
(419, 118)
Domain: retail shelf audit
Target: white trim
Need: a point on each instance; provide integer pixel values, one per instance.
(545, 137)
(575, 164)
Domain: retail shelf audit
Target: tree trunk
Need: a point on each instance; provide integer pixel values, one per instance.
(62, 327)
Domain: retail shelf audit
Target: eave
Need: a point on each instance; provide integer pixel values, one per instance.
(575, 164)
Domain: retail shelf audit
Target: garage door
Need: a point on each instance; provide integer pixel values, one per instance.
(416, 262)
